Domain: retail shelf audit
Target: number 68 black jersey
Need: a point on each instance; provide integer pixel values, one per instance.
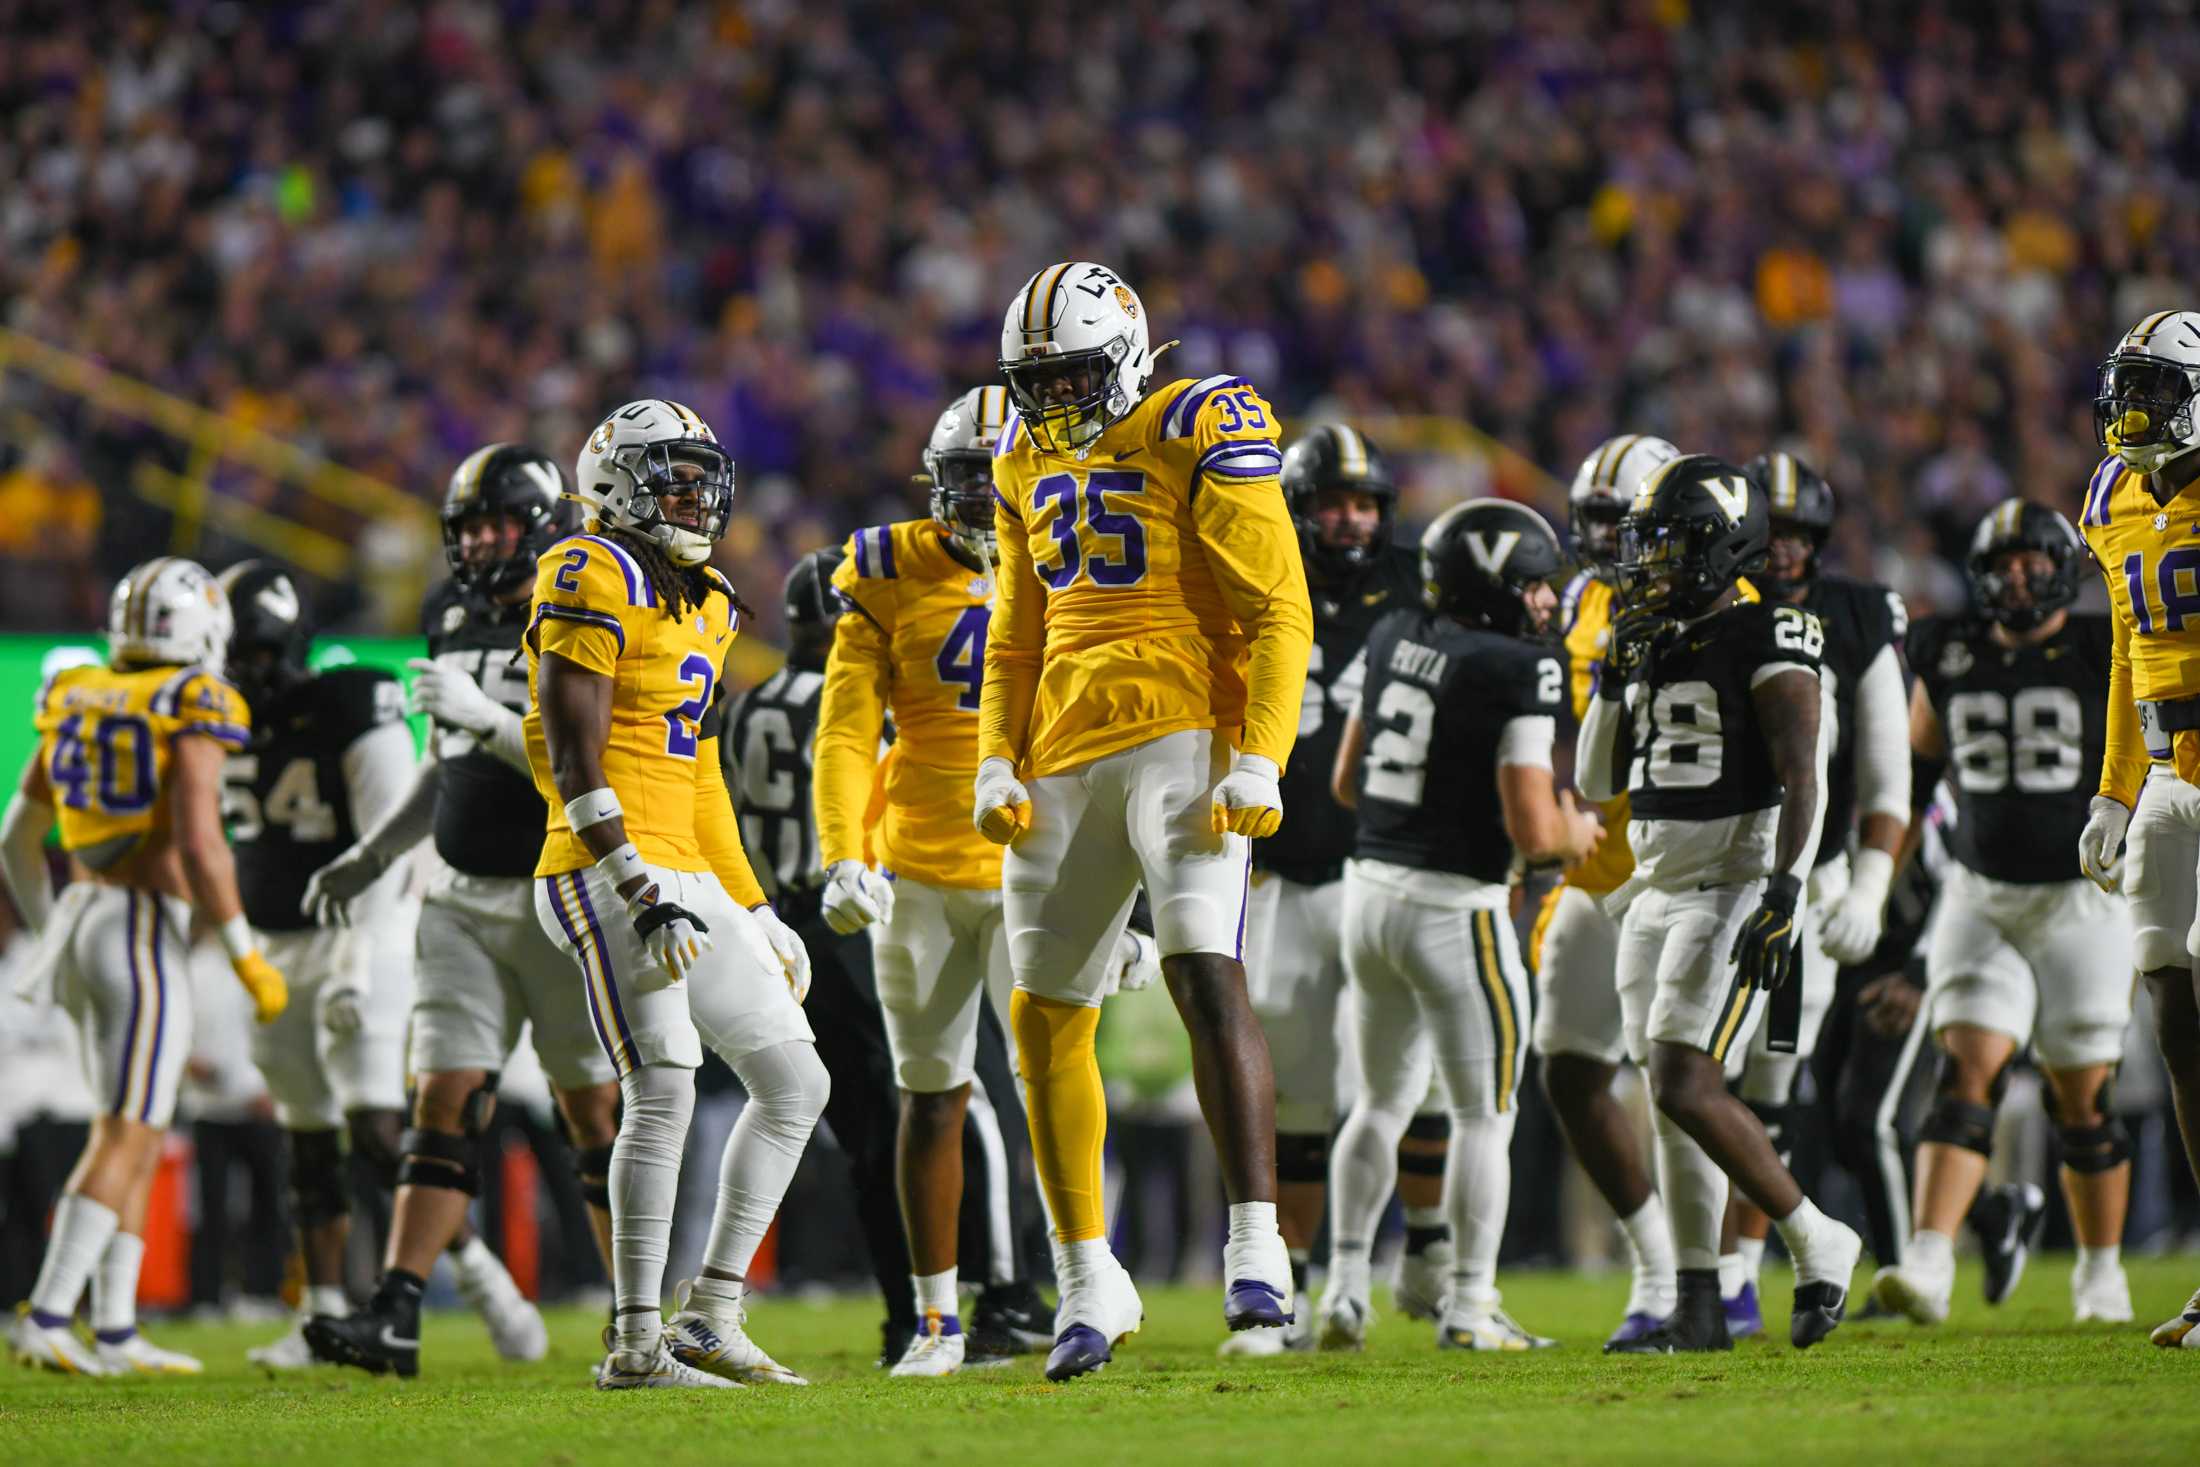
(2025, 729)
(1436, 698)
(1694, 750)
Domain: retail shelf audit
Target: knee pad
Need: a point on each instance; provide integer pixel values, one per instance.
(1959, 1123)
(1432, 1129)
(2100, 1106)
(593, 1166)
(440, 1159)
(1302, 1157)
(2090, 1150)
(1429, 1125)
(317, 1177)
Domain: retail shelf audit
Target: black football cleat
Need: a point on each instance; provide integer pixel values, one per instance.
(367, 1341)
(1697, 1324)
(2007, 1219)
(1012, 1318)
(1819, 1309)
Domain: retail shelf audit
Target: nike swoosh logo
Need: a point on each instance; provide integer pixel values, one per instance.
(1129, 453)
(391, 1340)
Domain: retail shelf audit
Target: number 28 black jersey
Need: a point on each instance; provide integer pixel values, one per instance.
(2025, 728)
(1436, 698)
(488, 815)
(1703, 793)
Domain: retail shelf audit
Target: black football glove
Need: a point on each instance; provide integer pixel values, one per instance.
(1764, 950)
(1635, 634)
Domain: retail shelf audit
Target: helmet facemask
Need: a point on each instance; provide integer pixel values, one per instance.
(963, 500)
(1596, 532)
(2143, 409)
(1666, 567)
(1067, 400)
(689, 470)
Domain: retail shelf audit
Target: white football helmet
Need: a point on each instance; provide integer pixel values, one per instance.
(168, 612)
(1075, 352)
(2143, 408)
(643, 451)
(1604, 490)
(958, 466)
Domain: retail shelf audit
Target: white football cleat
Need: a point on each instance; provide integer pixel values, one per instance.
(643, 1370)
(136, 1355)
(936, 1348)
(52, 1347)
(1424, 1282)
(1345, 1320)
(1099, 1309)
(291, 1352)
(2181, 1330)
(515, 1325)
(1295, 1338)
(2101, 1295)
(716, 1340)
(1910, 1290)
(1485, 1327)
(1256, 1279)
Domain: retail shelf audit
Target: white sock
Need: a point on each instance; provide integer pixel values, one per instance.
(1477, 1195)
(1251, 1222)
(2101, 1260)
(645, 1183)
(1350, 1273)
(1650, 1240)
(474, 1263)
(1083, 1256)
(1732, 1275)
(81, 1231)
(1752, 1252)
(1930, 1253)
(1363, 1169)
(1426, 1217)
(114, 1286)
(1694, 1190)
(718, 1298)
(787, 1087)
(1805, 1231)
(935, 1292)
(328, 1299)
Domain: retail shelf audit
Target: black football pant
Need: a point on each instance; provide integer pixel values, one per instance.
(1863, 1078)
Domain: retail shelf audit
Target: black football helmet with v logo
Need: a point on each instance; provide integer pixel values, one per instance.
(1697, 526)
(1478, 560)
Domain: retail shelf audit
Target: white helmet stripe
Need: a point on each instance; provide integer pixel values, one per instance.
(1351, 452)
(1783, 480)
(1615, 453)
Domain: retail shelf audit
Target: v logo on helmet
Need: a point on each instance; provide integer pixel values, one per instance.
(544, 475)
(1492, 551)
(1732, 495)
(279, 599)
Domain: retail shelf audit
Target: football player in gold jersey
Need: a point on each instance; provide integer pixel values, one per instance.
(1145, 670)
(1576, 945)
(644, 883)
(129, 766)
(912, 644)
(2142, 521)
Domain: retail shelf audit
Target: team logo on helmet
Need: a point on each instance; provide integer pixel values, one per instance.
(1127, 301)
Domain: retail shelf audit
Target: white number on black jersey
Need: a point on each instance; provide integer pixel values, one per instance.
(294, 800)
(1397, 757)
(2035, 738)
(1678, 744)
(1796, 630)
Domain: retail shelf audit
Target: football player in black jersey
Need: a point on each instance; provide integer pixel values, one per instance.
(2010, 700)
(484, 965)
(1867, 786)
(1447, 758)
(1344, 502)
(1708, 715)
(767, 749)
(329, 754)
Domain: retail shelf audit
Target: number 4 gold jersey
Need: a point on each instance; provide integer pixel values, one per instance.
(912, 642)
(106, 737)
(1140, 578)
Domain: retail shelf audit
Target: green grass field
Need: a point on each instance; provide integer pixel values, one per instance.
(2018, 1384)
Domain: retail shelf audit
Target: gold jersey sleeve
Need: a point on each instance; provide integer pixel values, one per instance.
(595, 607)
(107, 739)
(1149, 584)
(2149, 554)
(912, 644)
(1585, 610)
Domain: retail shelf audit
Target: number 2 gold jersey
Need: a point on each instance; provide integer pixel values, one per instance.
(1138, 577)
(106, 738)
(595, 607)
(913, 643)
(1585, 610)
(2149, 554)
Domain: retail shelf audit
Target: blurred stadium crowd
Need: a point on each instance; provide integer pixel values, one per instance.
(1895, 237)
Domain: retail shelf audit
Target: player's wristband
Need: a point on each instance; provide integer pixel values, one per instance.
(593, 808)
(236, 937)
(622, 866)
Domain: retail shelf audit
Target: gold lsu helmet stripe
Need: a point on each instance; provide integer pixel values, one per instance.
(140, 606)
(1610, 458)
(992, 410)
(1351, 452)
(2145, 329)
(1039, 300)
(1783, 481)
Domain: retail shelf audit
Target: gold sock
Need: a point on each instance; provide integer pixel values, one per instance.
(1069, 1109)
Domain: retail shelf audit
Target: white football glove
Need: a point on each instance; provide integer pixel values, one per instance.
(344, 1001)
(1135, 964)
(452, 698)
(2100, 843)
(1852, 924)
(1247, 801)
(1003, 805)
(675, 937)
(855, 897)
(331, 890)
(786, 947)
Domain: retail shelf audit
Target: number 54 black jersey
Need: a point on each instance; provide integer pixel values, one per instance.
(2025, 729)
(1440, 701)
